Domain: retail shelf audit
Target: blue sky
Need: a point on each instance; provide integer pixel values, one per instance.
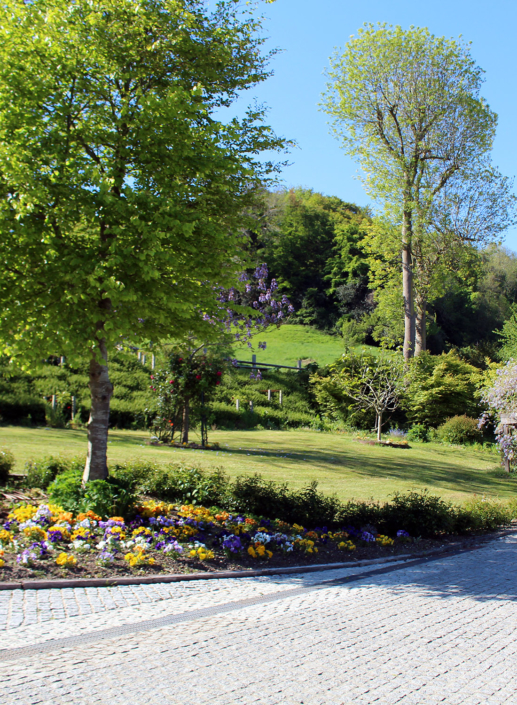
(307, 32)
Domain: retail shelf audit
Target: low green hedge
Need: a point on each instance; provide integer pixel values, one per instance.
(421, 514)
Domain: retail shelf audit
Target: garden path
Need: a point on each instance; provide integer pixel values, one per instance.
(418, 633)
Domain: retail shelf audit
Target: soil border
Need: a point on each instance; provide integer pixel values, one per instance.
(467, 544)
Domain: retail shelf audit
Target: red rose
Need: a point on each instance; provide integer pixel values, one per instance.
(198, 376)
(219, 374)
(217, 383)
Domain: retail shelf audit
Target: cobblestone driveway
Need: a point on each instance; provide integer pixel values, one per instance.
(437, 632)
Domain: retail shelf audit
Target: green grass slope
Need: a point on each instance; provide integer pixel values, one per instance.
(290, 343)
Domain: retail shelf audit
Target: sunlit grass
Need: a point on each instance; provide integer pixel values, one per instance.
(338, 462)
(290, 343)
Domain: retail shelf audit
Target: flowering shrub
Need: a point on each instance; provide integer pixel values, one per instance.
(500, 396)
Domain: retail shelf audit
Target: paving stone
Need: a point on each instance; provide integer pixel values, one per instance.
(441, 632)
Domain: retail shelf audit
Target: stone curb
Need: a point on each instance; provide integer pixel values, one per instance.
(221, 575)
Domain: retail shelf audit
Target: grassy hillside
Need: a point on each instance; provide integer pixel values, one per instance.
(290, 343)
(338, 462)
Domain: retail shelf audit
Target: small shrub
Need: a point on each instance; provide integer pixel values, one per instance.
(418, 432)
(40, 473)
(6, 465)
(177, 483)
(66, 490)
(459, 430)
(418, 513)
(482, 514)
(111, 497)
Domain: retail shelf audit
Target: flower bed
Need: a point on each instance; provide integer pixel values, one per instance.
(43, 540)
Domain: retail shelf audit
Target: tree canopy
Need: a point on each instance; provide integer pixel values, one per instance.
(121, 195)
(407, 106)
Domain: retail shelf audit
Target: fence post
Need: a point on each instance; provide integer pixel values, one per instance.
(153, 361)
(251, 405)
(139, 355)
(144, 358)
(73, 408)
(280, 397)
(269, 394)
(237, 404)
(253, 361)
(54, 401)
(62, 360)
(299, 364)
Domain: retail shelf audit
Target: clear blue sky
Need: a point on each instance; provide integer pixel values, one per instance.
(307, 32)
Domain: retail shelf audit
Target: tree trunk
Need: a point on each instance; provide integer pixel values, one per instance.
(101, 390)
(379, 427)
(420, 327)
(185, 420)
(407, 288)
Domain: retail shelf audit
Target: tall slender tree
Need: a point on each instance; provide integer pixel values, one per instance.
(121, 192)
(404, 102)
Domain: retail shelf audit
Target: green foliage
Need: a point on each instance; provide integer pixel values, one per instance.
(312, 245)
(112, 497)
(418, 432)
(175, 483)
(40, 473)
(6, 465)
(295, 411)
(508, 337)
(418, 513)
(115, 173)
(187, 379)
(460, 429)
(266, 498)
(483, 514)
(439, 387)
(23, 394)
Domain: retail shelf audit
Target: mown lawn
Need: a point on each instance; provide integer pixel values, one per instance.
(337, 462)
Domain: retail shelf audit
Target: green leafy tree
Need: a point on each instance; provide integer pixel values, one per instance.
(312, 245)
(406, 105)
(364, 383)
(185, 384)
(121, 193)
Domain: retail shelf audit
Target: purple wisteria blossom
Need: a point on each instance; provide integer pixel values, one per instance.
(501, 399)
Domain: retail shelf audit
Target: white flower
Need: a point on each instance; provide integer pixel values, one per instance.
(101, 545)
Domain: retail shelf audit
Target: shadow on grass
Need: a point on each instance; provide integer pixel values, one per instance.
(439, 472)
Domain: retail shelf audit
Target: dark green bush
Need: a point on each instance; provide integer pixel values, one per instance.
(176, 483)
(66, 490)
(418, 432)
(6, 465)
(459, 430)
(111, 497)
(359, 514)
(254, 495)
(418, 513)
(40, 473)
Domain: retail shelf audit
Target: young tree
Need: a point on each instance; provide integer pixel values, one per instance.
(404, 104)
(191, 372)
(372, 382)
(121, 194)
